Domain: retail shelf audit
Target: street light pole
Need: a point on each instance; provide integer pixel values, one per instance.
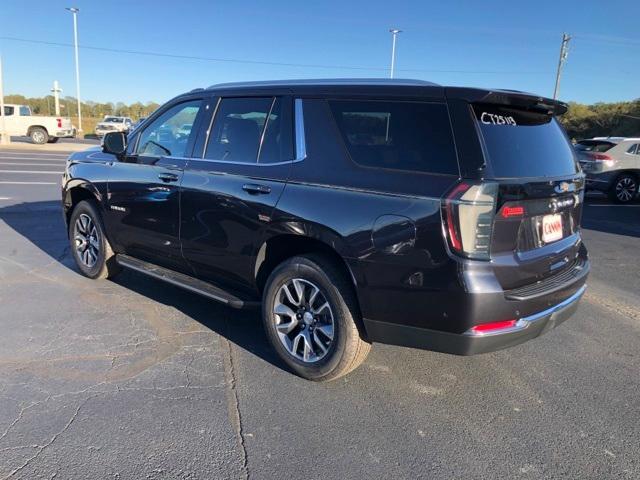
(394, 33)
(75, 11)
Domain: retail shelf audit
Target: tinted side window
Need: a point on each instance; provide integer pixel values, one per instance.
(237, 129)
(277, 142)
(163, 137)
(24, 111)
(632, 149)
(8, 110)
(413, 136)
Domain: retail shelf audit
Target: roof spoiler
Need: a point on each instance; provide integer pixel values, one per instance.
(512, 98)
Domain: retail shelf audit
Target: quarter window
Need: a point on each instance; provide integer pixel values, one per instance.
(251, 130)
(164, 137)
(412, 136)
(633, 149)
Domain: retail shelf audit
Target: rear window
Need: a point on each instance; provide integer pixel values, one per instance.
(522, 143)
(593, 146)
(410, 136)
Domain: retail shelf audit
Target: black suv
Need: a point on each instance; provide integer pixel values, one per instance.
(352, 211)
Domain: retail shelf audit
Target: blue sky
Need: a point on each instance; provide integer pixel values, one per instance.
(501, 44)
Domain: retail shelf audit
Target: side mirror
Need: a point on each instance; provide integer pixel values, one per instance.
(115, 143)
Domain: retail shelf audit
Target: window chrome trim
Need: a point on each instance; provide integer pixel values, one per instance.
(264, 129)
(301, 143)
(213, 117)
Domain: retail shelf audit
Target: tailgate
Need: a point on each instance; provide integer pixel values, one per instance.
(536, 227)
(536, 231)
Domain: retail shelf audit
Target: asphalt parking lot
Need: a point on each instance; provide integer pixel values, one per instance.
(133, 378)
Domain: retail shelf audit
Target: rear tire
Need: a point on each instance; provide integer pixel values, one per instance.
(89, 244)
(624, 189)
(330, 339)
(39, 135)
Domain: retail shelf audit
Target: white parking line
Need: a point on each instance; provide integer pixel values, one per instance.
(27, 183)
(27, 164)
(5, 198)
(47, 154)
(59, 160)
(48, 172)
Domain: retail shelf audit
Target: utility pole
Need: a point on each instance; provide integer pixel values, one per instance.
(394, 33)
(56, 96)
(5, 139)
(564, 52)
(75, 11)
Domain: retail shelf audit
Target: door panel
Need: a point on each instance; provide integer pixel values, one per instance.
(143, 209)
(225, 209)
(228, 196)
(143, 201)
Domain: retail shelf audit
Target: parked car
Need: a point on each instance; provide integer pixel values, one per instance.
(20, 122)
(111, 123)
(612, 166)
(349, 211)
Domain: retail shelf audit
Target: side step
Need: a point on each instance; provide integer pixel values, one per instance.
(184, 281)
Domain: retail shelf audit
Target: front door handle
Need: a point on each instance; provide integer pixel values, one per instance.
(255, 189)
(168, 177)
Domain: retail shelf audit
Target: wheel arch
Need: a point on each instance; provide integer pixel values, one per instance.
(76, 191)
(32, 127)
(279, 247)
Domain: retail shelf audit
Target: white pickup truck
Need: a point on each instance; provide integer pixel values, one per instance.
(112, 123)
(21, 123)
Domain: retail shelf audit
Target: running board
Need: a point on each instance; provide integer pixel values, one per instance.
(184, 281)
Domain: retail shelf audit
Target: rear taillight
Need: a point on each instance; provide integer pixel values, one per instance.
(59, 122)
(493, 327)
(602, 157)
(468, 212)
(512, 211)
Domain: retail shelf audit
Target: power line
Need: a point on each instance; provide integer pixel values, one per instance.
(261, 62)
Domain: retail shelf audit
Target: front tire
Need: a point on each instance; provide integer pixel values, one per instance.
(89, 244)
(624, 189)
(39, 135)
(311, 318)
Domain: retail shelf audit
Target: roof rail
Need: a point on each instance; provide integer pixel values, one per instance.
(327, 82)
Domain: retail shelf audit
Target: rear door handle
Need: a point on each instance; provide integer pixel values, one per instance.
(168, 177)
(255, 189)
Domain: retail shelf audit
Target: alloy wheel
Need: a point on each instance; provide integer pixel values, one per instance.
(38, 137)
(625, 189)
(87, 240)
(303, 320)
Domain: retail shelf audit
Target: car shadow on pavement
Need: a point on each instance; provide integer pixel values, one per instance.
(41, 223)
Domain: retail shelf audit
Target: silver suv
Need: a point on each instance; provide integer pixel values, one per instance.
(612, 166)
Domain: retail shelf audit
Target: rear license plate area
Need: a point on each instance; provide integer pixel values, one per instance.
(551, 228)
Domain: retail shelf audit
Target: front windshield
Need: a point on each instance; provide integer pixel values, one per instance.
(113, 120)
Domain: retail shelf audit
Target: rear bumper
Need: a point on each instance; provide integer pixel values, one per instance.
(467, 343)
(63, 133)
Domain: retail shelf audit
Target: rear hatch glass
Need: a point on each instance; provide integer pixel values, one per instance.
(522, 143)
(540, 193)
